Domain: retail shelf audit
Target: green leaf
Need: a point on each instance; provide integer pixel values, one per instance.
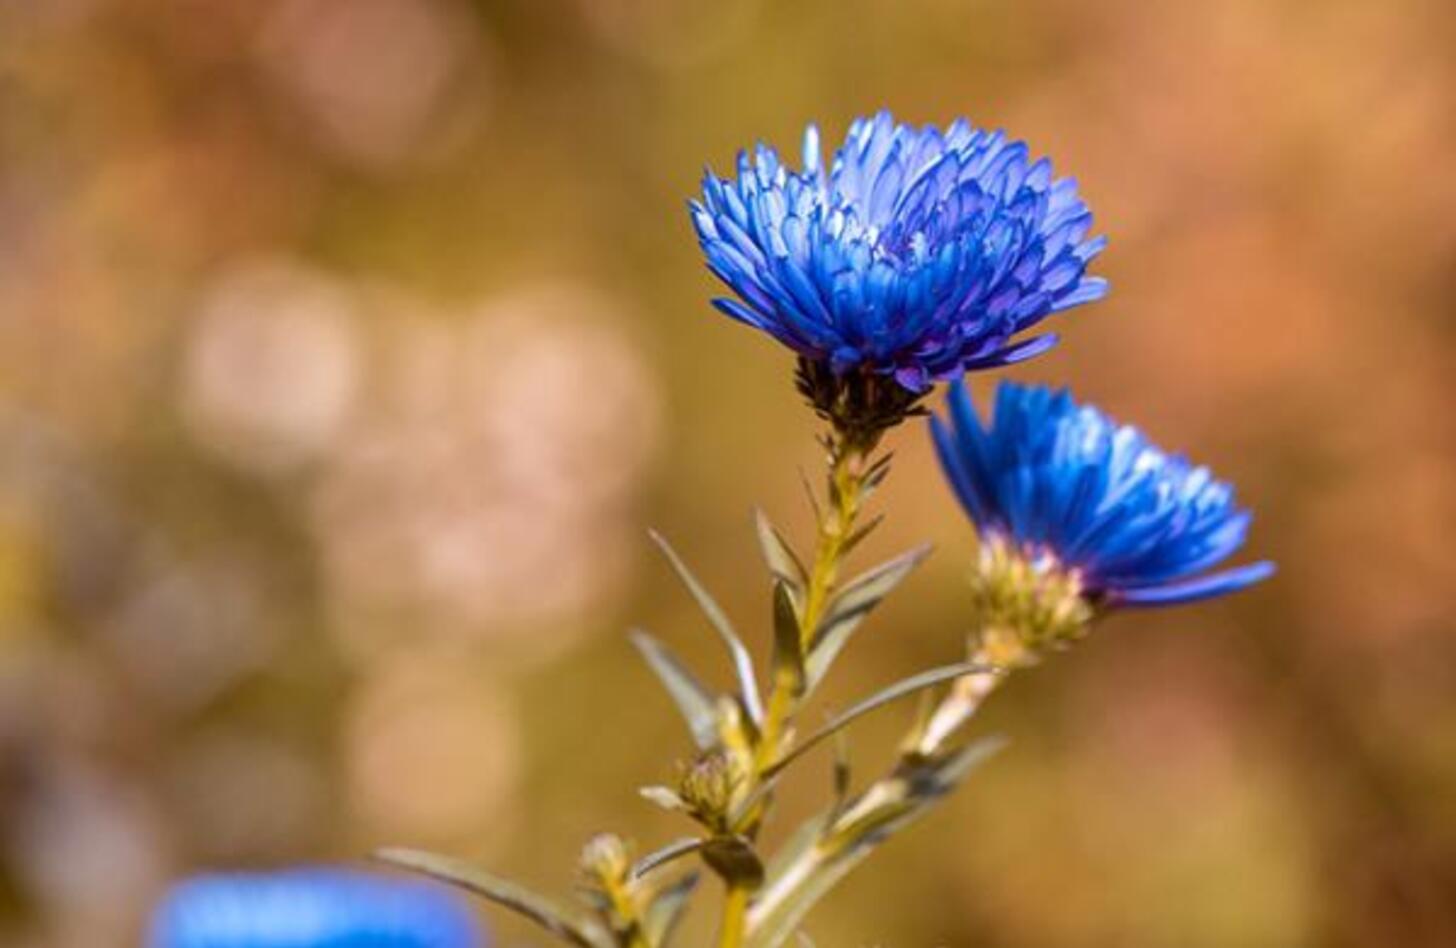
(951, 770)
(809, 493)
(666, 910)
(851, 605)
(857, 537)
(804, 837)
(875, 475)
(900, 689)
(907, 686)
(869, 587)
(782, 561)
(661, 857)
(771, 923)
(555, 918)
(742, 661)
(788, 653)
(693, 699)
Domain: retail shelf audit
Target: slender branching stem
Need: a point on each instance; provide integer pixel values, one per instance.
(961, 702)
(849, 465)
(891, 798)
(846, 472)
(849, 462)
(625, 909)
(735, 916)
(1000, 650)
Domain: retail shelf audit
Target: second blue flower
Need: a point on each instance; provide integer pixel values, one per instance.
(1065, 488)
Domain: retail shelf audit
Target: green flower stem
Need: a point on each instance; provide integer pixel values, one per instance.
(1023, 610)
(735, 916)
(626, 917)
(1001, 650)
(846, 476)
(926, 768)
(849, 465)
(849, 456)
(607, 872)
(959, 705)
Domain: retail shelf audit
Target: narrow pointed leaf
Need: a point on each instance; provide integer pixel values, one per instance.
(692, 698)
(770, 927)
(875, 475)
(668, 907)
(804, 837)
(953, 769)
(858, 536)
(742, 661)
(874, 584)
(900, 689)
(809, 493)
(794, 887)
(907, 686)
(673, 850)
(782, 561)
(851, 605)
(788, 653)
(550, 915)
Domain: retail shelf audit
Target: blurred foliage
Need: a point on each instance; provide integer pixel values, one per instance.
(348, 346)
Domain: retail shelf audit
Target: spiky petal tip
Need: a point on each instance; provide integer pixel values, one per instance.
(916, 254)
(1050, 477)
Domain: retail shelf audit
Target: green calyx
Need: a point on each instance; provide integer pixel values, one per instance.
(712, 786)
(1026, 604)
(860, 405)
(606, 860)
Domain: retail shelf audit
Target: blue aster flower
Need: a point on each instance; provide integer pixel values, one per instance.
(1069, 488)
(917, 254)
(311, 908)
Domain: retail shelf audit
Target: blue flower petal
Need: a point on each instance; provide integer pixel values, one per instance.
(1203, 587)
(1055, 477)
(304, 908)
(915, 254)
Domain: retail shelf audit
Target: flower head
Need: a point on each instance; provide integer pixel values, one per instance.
(917, 253)
(311, 908)
(1074, 492)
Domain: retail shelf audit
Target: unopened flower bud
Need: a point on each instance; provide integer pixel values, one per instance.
(605, 859)
(710, 786)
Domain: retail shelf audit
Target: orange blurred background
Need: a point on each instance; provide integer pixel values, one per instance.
(348, 347)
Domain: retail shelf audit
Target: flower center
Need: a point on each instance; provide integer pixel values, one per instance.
(1026, 603)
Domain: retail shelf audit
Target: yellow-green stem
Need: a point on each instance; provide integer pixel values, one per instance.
(625, 908)
(735, 917)
(958, 706)
(847, 465)
(848, 462)
(1000, 650)
(626, 919)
